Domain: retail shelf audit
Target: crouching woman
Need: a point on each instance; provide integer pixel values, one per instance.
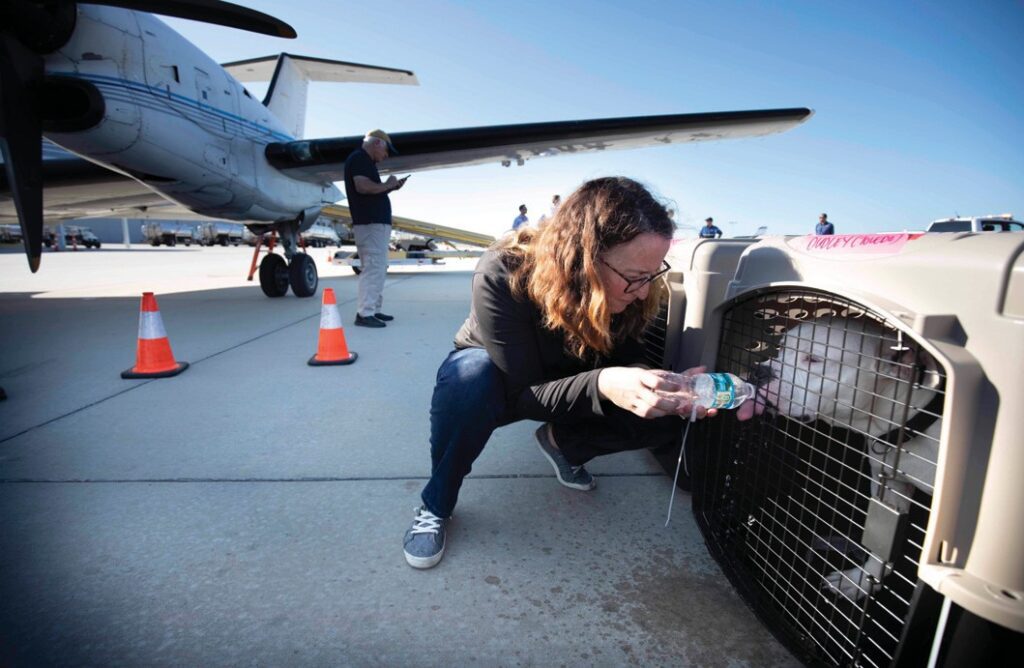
(553, 335)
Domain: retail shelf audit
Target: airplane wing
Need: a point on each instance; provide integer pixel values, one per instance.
(77, 188)
(324, 159)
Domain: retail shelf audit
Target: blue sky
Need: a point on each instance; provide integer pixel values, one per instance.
(919, 107)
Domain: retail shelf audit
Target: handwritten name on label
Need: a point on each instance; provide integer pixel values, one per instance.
(860, 244)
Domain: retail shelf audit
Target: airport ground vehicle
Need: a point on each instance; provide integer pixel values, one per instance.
(74, 235)
(219, 233)
(416, 242)
(10, 234)
(84, 236)
(1001, 223)
(321, 236)
(167, 233)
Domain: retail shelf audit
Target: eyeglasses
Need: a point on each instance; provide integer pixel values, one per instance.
(634, 284)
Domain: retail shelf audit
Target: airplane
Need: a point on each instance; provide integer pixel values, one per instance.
(138, 122)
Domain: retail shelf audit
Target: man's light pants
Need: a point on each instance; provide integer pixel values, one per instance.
(372, 243)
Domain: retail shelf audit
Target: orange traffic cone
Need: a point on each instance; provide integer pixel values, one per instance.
(153, 358)
(332, 348)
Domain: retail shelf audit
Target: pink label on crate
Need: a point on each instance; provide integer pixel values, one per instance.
(854, 244)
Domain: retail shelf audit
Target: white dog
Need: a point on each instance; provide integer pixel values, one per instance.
(852, 374)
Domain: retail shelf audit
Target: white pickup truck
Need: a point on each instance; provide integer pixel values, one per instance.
(1001, 223)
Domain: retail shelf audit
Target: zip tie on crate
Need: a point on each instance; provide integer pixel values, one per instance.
(899, 347)
(682, 453)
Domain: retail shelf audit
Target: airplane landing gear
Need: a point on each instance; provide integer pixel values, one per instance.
(296, 268)
(274, 275)
(303, 276)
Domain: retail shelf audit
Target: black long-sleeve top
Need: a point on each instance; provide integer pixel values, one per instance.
(543, 380)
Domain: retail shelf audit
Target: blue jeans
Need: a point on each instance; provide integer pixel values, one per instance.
(470, 402)
(468, 405)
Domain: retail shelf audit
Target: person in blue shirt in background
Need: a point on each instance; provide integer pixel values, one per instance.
(521, 219)
(823, 226)
(710, 231)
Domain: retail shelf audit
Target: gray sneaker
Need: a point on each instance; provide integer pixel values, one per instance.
(424, 541)
(576, 477)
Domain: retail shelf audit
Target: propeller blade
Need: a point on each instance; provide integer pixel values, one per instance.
(21, 140)
(210, 11)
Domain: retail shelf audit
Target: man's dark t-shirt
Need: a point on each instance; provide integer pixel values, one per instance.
(365, 209)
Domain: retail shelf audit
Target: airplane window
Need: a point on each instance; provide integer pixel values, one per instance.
(988, 228)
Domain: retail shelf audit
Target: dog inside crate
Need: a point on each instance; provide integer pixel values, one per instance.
(820, 504)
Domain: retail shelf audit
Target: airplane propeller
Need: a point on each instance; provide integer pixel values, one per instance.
(33, 28)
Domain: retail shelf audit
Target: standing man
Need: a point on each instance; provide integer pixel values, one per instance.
(371, 222)
(555, 201)
(823, 226)
(710, 231)
(521, 219)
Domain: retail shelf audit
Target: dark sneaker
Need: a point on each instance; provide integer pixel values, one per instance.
(384, 316)
(369, 321)
(424, 541)
(576, 477)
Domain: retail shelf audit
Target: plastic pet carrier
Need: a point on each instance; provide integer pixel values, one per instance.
(872, 513)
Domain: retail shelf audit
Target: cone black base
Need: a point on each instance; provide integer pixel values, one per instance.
(313, 361)
(159, 374)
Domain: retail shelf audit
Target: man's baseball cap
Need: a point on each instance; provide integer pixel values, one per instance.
(380, 134)
(709, 219)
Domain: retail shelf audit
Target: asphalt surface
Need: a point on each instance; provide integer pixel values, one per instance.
(250, 511)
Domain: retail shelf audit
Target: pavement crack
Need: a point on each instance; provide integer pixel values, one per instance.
(104, 481)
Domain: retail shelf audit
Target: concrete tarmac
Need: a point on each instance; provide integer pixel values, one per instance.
(250, 511)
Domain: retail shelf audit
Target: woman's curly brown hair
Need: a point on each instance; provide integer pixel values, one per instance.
(555, 264)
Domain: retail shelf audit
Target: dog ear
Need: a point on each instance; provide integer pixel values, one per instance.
(900, 362)
(906, 364)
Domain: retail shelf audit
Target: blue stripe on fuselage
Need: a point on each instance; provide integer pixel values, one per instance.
(185, 104)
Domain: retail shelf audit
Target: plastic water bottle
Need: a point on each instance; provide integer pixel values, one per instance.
(718, 390)
(710, 390)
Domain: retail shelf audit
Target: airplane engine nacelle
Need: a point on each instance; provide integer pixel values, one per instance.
(67, 104)
(308, 217)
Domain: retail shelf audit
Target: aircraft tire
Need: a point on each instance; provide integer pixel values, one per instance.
(303, 276)
(274, 276)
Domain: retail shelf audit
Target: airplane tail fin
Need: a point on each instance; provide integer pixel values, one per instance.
(289, 78)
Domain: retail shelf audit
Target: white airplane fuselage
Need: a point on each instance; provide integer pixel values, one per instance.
(176, 121)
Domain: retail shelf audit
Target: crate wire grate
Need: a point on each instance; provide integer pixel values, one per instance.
(783, 502)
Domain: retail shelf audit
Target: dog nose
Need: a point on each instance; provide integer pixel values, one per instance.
(762, 374)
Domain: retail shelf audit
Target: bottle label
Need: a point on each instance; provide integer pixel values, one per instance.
(725, 391)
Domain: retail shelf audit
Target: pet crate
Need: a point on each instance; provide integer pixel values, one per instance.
(879, 490)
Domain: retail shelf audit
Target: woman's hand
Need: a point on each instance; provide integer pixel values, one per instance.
(649, 393)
